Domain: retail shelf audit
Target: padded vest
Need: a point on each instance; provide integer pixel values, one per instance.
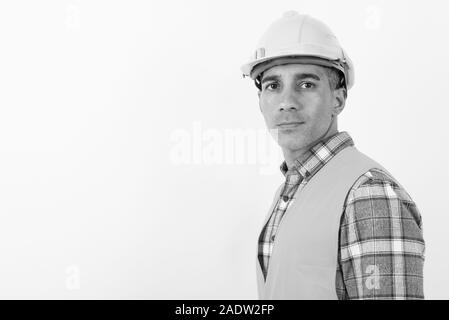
(303, 262)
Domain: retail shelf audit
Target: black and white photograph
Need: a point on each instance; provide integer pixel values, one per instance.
(224, 150)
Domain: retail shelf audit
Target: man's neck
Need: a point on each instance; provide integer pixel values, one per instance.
(291, 156)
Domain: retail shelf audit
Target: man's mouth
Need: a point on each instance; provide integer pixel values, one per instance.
(289, 125)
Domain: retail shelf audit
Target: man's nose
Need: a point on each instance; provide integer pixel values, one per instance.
(288, 101)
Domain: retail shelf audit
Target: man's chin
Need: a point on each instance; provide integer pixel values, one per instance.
(291, 144)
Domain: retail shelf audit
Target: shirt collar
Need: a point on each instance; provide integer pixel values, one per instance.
(318, 155)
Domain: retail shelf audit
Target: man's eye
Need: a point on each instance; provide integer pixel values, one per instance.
(307, 85)
(271, 86)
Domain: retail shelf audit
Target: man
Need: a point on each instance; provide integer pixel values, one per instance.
(340, 227)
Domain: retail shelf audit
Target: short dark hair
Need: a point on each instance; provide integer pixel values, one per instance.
(335, 76)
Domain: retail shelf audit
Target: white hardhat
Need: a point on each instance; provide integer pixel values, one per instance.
(297, 38)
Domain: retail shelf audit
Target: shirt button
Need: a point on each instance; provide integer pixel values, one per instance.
(272, 238)
(285, 198)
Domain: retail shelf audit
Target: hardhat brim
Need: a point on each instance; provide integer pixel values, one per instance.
(261, 67)
(254, 69)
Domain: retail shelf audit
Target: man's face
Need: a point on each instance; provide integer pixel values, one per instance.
(297, 101)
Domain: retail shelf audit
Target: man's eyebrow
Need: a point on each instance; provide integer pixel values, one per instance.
(270, 78)
(298, 76)
(301, 76)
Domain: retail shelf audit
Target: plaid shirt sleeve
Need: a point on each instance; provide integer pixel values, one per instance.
(381, 252)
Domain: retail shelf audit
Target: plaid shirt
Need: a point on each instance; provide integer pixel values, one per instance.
(381, 245)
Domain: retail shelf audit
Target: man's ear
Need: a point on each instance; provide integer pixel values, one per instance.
(339, 100)
(258, 94)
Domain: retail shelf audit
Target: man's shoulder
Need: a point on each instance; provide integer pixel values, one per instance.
(376, 194)
(377, 182)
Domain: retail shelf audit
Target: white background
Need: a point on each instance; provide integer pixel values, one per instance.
(92, 204)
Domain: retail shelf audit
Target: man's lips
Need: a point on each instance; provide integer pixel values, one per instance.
(288, 125)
